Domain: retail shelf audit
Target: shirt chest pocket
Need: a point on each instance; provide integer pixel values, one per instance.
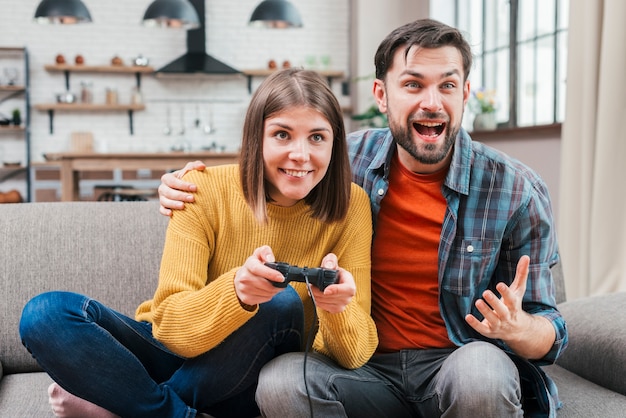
(470, 266)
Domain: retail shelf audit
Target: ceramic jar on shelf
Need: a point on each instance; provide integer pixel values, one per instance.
(485, 122)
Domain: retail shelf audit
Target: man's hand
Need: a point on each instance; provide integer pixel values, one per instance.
(335, 297)
(173, 191)
(530, 336)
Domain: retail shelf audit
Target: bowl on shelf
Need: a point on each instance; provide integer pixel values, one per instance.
(66, 97)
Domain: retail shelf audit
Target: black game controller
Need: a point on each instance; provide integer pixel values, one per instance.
(320, 277)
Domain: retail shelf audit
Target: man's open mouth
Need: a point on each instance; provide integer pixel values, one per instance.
(429, 128)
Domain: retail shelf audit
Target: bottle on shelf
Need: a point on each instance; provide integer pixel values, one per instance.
(111, 96)
(86, 92)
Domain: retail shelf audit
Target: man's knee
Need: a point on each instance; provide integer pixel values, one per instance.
(480, 374)
(281, 382)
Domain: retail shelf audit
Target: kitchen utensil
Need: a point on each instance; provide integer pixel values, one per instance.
(209, 128)
(168, 120)
(197, 120)
(181, 132)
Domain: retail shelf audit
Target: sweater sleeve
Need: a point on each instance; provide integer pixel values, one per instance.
(188, 315)
(350, 337)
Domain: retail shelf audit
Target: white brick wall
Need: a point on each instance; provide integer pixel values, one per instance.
(116, 30)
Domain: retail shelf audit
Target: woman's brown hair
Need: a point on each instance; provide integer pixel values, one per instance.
(282, 90)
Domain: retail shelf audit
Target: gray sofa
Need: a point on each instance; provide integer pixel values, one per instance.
(111, 251)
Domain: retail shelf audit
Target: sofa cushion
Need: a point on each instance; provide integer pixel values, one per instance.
(597, 340)
(25, 395)
(110, 251)
(583, 399)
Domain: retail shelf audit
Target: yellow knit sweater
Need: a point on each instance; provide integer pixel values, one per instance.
(195, 306)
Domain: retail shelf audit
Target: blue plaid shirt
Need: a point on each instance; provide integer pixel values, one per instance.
(498, 209)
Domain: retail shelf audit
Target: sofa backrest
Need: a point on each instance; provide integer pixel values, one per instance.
(559, 282)
(110, 251)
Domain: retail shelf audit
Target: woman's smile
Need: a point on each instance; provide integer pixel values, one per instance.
(296, 173)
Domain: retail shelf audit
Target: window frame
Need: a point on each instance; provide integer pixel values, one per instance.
(515, 42)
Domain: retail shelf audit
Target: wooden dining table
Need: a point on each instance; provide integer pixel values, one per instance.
(72, 163)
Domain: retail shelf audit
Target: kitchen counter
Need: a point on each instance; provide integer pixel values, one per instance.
(72, 163)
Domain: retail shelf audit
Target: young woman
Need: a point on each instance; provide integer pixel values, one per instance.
(217, 316)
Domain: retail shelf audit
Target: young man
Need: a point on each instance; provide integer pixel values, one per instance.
(462, 293)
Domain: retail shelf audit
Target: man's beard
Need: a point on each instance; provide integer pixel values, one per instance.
(423, 153)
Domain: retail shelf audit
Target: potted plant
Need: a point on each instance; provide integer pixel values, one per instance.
(17, 117)
(372, 117)
(483, 104)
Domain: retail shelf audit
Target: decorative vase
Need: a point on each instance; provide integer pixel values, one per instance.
(485, 122)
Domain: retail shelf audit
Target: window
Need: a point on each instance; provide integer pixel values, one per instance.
(520, 51)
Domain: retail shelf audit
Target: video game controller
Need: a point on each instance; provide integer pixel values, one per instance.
(320, 277)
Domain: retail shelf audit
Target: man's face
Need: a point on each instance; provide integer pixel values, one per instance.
(424, 96)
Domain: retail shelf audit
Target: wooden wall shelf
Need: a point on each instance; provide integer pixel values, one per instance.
(11, 128)
(125, 69)
(83, 107)
(264, 72)
(9, 92)
(16, 88)
(102, 69)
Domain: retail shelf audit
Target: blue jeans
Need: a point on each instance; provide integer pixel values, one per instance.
(475, 380)
(114, 361)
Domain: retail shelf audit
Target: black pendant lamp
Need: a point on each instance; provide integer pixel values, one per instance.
(171, 14)
(277, 14)
(62, 11)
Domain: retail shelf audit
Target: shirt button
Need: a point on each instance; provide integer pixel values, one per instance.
(470, 248)
(381, 192)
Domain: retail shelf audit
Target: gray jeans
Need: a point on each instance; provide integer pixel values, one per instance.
(476, 380)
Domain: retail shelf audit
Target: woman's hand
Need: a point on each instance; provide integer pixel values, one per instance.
(173, 191)
(253, 281)
(335, 297)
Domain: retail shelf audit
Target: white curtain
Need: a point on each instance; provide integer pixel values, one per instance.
(592, 228)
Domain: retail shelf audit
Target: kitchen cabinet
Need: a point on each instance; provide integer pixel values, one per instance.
(14, 91)
(66, 69)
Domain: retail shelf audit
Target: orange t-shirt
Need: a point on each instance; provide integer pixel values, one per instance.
(405, 289)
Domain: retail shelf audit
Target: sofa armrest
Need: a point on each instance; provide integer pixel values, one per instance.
(597, 339)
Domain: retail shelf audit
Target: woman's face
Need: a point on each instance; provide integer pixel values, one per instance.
(297, 146)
